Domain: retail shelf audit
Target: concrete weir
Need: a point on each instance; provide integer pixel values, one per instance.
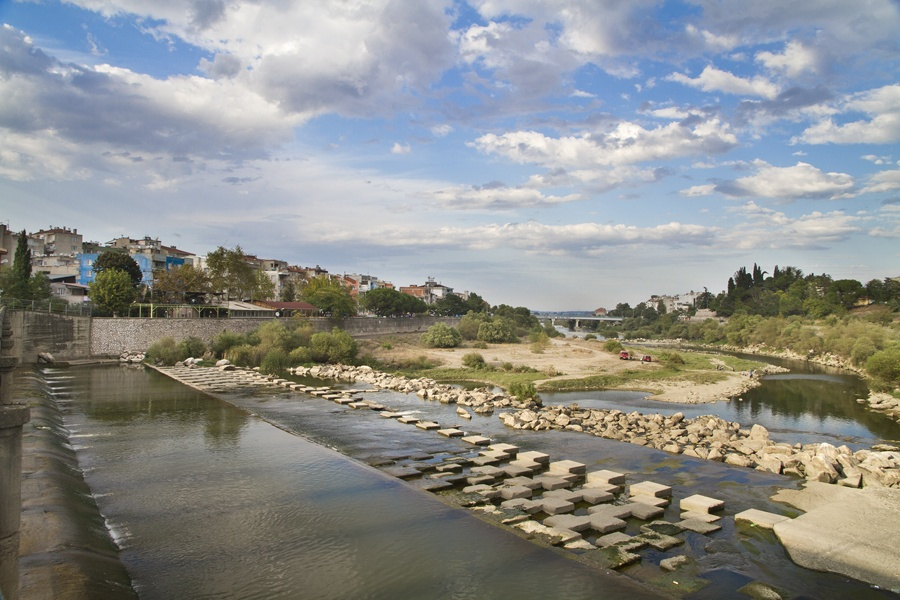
(612, 518)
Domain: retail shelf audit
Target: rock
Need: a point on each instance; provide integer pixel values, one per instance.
(671, 564)
(45, 358)
(223, 362)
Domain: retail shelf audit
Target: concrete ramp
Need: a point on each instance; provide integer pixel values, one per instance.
(854, 532)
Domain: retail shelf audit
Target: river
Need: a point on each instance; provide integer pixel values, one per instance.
(267, 495)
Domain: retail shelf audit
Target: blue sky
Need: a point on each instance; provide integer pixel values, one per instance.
(557, 155)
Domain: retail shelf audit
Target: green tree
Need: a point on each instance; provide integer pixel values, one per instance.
(476, 303)
(121, 261)
(469, 324)
(441, 335)
(386, 302)
(231, 275)
(329, 296)
(180, 284)
(450, 306)
(15, 280)
(112, 291)
(335, 347)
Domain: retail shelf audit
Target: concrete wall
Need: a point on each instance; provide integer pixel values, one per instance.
(114, 336)
(65, 337)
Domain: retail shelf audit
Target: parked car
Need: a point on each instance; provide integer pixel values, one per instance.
(625, 355)
(645, 358)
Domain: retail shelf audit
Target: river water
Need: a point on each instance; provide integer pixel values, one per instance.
(266, 495)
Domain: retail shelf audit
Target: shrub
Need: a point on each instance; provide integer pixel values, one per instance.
(523, 390)
(164, 351)
(225, 341)
(479, 345)
(540, 341)
(191, 347)
(275, 362)
(884, 366)
(473, 360)
(470, 323)
(300, 356)
(672, 358)
(275, 335)
(862, 350)
(507, 366)
(335, 347)
(245, 355)
(440, 335)
(614, 346)
(590, 336)
(496, 332)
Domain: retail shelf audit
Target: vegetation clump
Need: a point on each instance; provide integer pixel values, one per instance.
(441, 335)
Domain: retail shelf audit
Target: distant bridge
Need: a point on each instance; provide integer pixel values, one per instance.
(562, 316)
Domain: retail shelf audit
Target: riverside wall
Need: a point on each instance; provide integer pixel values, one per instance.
(73, 338)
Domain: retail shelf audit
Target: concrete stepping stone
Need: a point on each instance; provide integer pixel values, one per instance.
(449, 468)
(530, 465)
(408, 420)
(487, 470)
(663, 527)
(526, 505)
(555, 506)
(343, 401)
(499, 455)
(673, 563)
(700, 503)
(660, 541)
(451, 432)
(571, 522)
(477, 440)
(645, 512)
(572, 496)
(595, 496)
(391, 415)
(760, 518)
(603, 524)
(374, 405)
(652, 501)
(611, 539)
(356, 405)
(481, 479)
(401, 472)
(650, 488)
(698, 526)
(615, 557)
(485, 460)
(428, 425)
(617, 511)
(528, 482)
(533, 456)
(434, 485)
(509, 492)
(516, 470)
(552, 483)
(605, 476)
(700, 516)
(507, 448)
(567, 466)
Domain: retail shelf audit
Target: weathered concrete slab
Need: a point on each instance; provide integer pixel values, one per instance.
(524, 481)
(611, 539)
(449, 468)
(428, 425)
(760, 518)
(605, 476)
(485, 460)
(700, 503)
(552, 483)
(650, 488)
(573, 496)
(534, 456)
(596, 496)
(344, 401)
(860, 543)
(698, 526)
(700, 516)
(645, 512)
(567, 466)
(555, 506)
(611, 510)
(524, 504)
(487, 470)
(530, 465)
(496, 454)
(516, 470)
(451, 432)
(402, 472)
(391, 415)
(477, 440)
(507, 448)
(571, 522)
(408, 420)
(510, 492)
(659, 541)
(605, 524)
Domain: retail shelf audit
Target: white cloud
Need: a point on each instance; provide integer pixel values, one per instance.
(790, 183)
(881, 105)
(716, 80)
(496, 197)
(883, 181)
(797, 59)
(442, 130)
(399, 148)
(699, 190)
(767, 228)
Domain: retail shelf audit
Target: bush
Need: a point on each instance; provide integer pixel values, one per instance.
(884, 366)
(275, 362)
(614, 346)
(164, 351)
(523, 390)
(300, 356)
(479, 345)
(496, 332)
(863, 348)
(470, 323)
(192, 347)
(440, 335)
(226, 340)
(473, 360)
(335, 347)
(245, 355)
(540, 341)
(590, 336)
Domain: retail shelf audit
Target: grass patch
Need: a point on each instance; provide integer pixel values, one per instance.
(503, 379)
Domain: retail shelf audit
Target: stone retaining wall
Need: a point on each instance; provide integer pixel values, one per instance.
(65, 337)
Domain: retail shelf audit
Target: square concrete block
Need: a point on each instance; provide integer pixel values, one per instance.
(428, 425)
(391, 415)
(645, 512)
(481, 479)
(507, 448)
(409, 420)
(533, 467)
(611, 510)
(533, 456)
(567, 466)
(698, 526)
(760, 518)
(595, 496)
(552, 483)
(485, 460)
(571, 522)
(700, 516)
(700, 503)
(451, 432)
(477, 440)
(510, 492)
(516, 470)
(605, 476)
(487, 470)
(604, 524)
(555, 506)
(611, 539)
(528, 482)
(572, 496)
(500, 456)
(649, 488)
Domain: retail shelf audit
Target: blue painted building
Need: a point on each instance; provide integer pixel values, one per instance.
(146, 263)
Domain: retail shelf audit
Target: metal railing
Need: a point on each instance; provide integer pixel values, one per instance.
(53, 305)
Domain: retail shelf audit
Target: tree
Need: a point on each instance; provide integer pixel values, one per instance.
(230, 274)
(386, 302)
(450, 306)
(329, 296)
(113, 259)
(112, 290)
(15, 280)
(476, 303)
(441, 335)
(181, 284)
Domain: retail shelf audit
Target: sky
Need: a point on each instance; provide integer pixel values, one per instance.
(558, 155)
